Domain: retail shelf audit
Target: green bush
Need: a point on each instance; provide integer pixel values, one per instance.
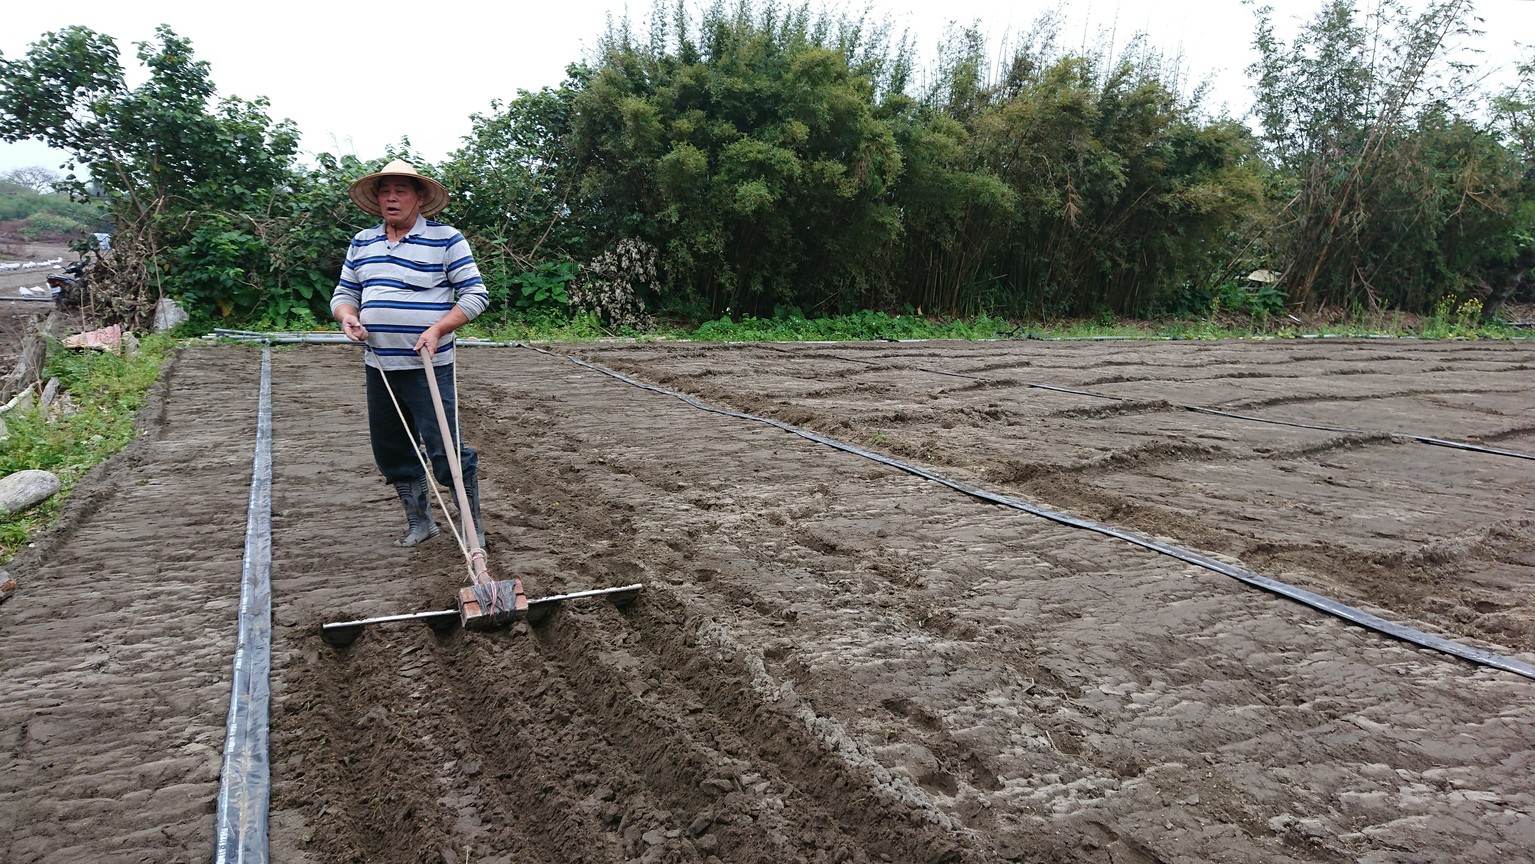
(44, 215)
(544, 288)
(49, 225)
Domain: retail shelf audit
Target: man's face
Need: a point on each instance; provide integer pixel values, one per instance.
(399, 201)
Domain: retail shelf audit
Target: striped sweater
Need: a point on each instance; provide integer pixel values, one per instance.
(401, 289)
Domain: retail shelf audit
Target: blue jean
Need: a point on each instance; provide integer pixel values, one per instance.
(393, 449)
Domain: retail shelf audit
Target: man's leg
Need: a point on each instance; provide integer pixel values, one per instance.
(394, 452)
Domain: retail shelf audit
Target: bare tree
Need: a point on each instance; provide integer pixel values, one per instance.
(35, 177)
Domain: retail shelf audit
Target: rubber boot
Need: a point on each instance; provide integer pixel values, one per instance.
(472, 492)
(418, 513)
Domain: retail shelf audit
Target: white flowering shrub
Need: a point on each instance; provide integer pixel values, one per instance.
(611, 286)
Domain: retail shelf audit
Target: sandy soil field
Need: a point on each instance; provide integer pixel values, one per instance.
(25, 251)
(833, 660)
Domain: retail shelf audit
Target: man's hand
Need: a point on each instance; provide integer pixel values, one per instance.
(427, 341)
(434, 334)
(352, 327)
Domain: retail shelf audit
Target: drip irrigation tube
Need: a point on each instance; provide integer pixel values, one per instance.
(1242, 574)
(245, 785)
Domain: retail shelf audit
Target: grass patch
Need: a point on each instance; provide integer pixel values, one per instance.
(876, 326)
(1448, 322)
(860, 326)
(106, 392)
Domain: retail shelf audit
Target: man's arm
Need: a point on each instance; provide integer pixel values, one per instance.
(464, 275)
(345, 300)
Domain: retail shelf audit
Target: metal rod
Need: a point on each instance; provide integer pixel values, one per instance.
(595, 592)
(389, 619)
(330, 338)
(453, 613)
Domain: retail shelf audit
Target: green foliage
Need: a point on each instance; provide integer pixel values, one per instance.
(771, 166)
(510, 186)
(1261, 302)
(745, 147)
(48, 225)
(180, 174)
(275, 266)
(1452, 319)
(1394, 189)
(773, 158)
(22, 203)
(49, 214)
(865, 325)
(151, 143)
(107, 391)
(537, 326)
(1077, 182)
(545, 287)
(225, 254)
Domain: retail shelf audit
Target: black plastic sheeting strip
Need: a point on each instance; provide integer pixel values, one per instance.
(245, 788)
(1242, 574)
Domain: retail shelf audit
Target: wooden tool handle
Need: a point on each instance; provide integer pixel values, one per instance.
(478, 571)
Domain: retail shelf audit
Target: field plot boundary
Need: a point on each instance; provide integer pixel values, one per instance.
(1218, 412)
(1323, 604)
(1327, 605)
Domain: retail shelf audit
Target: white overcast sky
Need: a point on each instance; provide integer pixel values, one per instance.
(353, 76)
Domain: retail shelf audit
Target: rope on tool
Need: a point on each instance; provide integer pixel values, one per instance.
(489, 592)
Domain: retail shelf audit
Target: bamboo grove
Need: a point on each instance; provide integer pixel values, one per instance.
(771, 160)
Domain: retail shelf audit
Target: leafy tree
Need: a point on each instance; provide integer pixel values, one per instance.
(1514, 258)
(1393, 190)
(511, 187)
(147, 144)
(746, 148)
(1071, 183)
(175, 171)
(957, 214)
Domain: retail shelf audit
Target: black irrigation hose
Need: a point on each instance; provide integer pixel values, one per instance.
(245, 785)
(1299, 595)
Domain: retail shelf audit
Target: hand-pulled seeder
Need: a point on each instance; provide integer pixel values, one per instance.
(485, 603)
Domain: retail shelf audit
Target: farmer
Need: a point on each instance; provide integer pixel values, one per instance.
(407, 284)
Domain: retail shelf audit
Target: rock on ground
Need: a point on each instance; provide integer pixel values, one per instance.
(27, 488)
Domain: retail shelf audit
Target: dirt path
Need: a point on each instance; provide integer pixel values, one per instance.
(834, 661)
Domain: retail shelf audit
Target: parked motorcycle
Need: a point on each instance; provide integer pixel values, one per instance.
(66, 285)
